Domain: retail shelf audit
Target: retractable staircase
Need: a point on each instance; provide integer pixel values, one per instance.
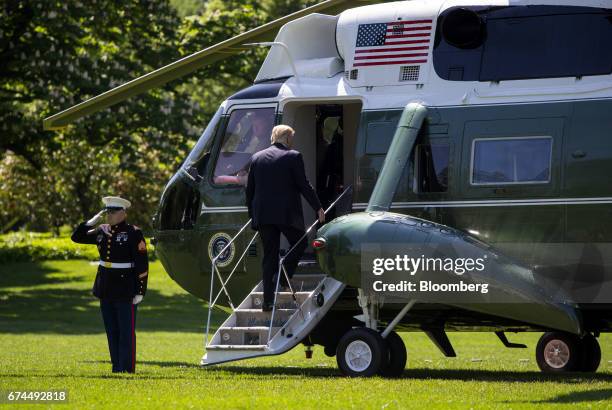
(247, 333)
(251, 332)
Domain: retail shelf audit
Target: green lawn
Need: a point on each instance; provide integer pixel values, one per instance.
(52, 337)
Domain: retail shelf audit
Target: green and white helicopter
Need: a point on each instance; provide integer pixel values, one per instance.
(447, 128)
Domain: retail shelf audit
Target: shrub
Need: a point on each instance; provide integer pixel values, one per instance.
(26, 246)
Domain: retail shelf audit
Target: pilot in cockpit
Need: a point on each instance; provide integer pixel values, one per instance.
(256, 138)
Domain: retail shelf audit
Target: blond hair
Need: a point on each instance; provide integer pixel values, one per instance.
(281, 134)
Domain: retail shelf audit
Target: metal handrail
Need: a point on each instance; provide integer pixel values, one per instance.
(211, 301)
(282, 260)
(215, 270)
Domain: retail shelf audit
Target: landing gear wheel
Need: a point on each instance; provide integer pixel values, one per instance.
(591, 354)
(361, 352)
(330, 350)
(395, 356)
(559, 352)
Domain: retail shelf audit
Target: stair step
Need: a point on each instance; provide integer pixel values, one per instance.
(307, 263)
(313, 276)
(246, 328)
(236, 347)
(306, 282)
(255, 317)
(284, 300)
(245, 335)
(297, 284)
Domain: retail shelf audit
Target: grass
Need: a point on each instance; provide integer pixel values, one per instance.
(52, 337)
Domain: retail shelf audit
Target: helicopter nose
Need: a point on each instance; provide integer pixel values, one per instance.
(179, 206)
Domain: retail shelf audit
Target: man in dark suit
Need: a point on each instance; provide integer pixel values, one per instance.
(275, 181)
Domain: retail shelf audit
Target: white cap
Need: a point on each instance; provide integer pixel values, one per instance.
(116, 202)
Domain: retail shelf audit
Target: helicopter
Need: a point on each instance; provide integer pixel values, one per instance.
(446, 128)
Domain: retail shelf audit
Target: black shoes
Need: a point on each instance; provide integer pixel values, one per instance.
(266, 307)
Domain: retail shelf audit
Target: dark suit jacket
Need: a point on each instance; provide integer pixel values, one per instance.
(276, 180)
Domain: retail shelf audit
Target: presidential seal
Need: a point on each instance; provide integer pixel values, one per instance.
(217, 242)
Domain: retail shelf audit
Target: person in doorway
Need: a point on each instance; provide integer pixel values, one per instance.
(275, 181)
(330, 184)
(121, 280)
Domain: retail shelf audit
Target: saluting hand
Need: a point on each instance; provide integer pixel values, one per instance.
(106, 229)
(96, 218)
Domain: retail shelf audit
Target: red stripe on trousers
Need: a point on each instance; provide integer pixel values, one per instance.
(133, 343)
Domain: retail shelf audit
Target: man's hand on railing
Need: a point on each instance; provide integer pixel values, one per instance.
(321, 213)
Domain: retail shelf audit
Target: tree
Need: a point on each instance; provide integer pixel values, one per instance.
(56, 54)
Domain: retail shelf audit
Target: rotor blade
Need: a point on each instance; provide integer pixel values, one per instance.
(189, 64)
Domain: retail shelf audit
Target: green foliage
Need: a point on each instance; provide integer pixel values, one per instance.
(25, 246)
(56, 54)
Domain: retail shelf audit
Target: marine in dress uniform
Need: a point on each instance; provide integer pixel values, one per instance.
(121, 280)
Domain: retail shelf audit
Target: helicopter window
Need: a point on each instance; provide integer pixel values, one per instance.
(248, 131)
(432, 165)
(201, 151)
(181, 208)
(483, 43)
(379, 136)
(519, 160)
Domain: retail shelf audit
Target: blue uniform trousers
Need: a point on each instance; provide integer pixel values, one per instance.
(120, 324)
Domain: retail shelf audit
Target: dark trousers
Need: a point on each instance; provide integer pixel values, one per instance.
(120, 324)
(270, 237)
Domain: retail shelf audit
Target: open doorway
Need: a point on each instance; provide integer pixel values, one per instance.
(325, 134)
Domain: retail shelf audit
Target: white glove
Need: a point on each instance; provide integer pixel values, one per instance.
(106, 229)
(137, 299)
(95, 219)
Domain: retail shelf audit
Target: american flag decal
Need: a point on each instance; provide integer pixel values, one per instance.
(399, 42)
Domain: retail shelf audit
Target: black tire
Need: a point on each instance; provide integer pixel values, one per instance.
(395, 356)
(559, 352)
(361, 342)
(330, 350)
(591, 354)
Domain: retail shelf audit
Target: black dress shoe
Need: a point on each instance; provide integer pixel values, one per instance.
(266, 307)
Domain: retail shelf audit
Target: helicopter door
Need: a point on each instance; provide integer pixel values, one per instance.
(244, 130)
(329, 155)
(328, 150)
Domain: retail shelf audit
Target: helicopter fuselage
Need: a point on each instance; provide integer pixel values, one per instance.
(522, 161)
